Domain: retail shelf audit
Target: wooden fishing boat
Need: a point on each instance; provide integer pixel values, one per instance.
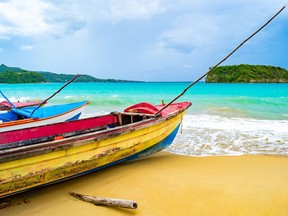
(5, 105)
(27, 117)
(38, 156)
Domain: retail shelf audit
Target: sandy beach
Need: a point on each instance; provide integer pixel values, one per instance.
(169, 184)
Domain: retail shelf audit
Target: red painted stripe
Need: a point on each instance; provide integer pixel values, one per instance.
(54, 129)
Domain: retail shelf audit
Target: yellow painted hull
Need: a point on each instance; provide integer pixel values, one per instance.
(84, 156)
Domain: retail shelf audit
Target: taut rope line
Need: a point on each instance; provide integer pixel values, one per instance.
(220, 62)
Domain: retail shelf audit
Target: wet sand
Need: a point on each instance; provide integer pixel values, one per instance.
(168, 184)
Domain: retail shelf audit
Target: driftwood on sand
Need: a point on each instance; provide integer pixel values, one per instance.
(130, 204)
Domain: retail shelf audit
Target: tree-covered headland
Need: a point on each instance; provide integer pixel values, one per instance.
(245, 73)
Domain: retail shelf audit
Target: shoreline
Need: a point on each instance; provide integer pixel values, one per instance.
(170, 184)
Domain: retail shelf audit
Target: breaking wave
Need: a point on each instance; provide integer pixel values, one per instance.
(218, 135)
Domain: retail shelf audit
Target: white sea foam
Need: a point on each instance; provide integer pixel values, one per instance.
(21, 99)
(216, 135)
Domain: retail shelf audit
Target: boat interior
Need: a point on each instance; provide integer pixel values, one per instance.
(35, 135)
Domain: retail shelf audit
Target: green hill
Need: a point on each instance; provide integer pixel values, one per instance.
(53, 77)
(247, 74)
(4, 68)
(18, 75)
(21, 77)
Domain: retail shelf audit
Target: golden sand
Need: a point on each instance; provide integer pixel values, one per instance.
(168, 184)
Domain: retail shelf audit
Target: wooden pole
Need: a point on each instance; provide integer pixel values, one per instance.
(77, 75)
(130, 204)
(220, 62)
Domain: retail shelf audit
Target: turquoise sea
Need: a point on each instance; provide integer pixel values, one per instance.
(224, 118)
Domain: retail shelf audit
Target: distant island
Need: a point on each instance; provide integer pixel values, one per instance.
(245, 73)
(18, 75)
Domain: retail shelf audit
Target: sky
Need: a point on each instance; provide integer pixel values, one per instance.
(145, 40)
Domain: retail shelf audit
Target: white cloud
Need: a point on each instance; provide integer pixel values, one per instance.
(26, 47)
(188, 66)
(209, 27)
(24, 17)
(3, 37)
(188, 32)
(33, 18)
(134, 9)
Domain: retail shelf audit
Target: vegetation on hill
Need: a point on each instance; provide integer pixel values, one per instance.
(4, 68)
(247, 74)
(21, 77)
(18, 75)
(53, 77)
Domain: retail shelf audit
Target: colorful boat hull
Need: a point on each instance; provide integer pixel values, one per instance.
(45, 163)
(44, 116)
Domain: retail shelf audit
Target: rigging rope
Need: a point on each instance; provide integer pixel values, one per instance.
(220, 62)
